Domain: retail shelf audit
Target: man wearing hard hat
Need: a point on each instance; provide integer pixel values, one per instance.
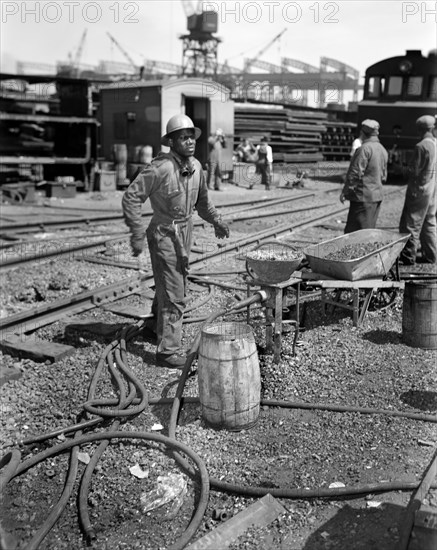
(419, 213)
(364, 180)
(175, 184)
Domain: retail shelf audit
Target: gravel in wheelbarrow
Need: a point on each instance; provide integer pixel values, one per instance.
(363, 254)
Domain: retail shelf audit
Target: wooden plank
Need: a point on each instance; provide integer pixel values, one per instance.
(38, 350)
(260, 514)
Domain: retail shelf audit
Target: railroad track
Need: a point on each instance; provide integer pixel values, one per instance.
(34, 318)
(202, 256)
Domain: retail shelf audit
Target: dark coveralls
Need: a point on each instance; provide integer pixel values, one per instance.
(263, 166)
(419, 213)
(365, 176)
(175, 188)
(216, 144)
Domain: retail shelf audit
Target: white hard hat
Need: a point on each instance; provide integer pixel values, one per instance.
(179, 122)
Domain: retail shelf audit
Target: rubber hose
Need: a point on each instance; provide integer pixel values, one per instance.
(56, 511)
(84, 516)
(158, 438)
(10, 462)
(262, 491)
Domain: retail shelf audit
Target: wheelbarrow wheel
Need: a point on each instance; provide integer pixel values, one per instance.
(385, 297)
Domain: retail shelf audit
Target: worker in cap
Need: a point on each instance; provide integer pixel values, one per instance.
(426, 122)
(370, 127)
(216, 144)
(418, 216)
(175, 184)
(364, 180)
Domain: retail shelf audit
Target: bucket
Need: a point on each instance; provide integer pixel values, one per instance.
(229, 376)
(419, 314)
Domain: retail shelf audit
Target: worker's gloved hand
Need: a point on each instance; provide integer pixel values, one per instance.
(137, 244)
(221, 229)
(344, 195)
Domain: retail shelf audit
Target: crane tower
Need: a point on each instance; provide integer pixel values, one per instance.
(199, 46)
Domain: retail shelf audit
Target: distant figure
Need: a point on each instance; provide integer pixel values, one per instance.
(264, 163)
(419, 213)
(299, 181)
(246, 151)
(216, 143)
(364, 179)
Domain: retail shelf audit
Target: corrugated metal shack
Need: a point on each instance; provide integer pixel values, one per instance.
(136, 114)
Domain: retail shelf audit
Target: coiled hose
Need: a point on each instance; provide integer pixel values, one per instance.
(132, 403)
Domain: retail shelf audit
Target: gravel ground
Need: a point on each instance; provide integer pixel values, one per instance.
(336, 363)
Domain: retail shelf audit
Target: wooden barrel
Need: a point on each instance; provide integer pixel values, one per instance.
(419, 314)
(229, 376)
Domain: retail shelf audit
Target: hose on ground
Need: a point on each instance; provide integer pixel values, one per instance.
(148, 436)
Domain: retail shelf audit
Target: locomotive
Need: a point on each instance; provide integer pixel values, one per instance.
(397, 91)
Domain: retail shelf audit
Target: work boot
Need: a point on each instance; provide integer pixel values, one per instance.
(175, 361)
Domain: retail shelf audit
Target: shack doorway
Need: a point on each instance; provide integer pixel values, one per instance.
(198, 109)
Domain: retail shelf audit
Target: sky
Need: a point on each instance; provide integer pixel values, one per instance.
(356, 32)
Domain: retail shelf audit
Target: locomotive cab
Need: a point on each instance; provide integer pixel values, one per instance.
(397, 91)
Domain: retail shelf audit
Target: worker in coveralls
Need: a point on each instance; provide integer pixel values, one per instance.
(364, 180)
(419, 213)
(175, 184)
(216, 144)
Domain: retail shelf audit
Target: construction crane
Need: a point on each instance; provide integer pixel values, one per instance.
(199, 46)
(264, 65)
(326, 62)
(79, 52)
(161, 67)
(249, 62)
(123, 51)
(296, 64)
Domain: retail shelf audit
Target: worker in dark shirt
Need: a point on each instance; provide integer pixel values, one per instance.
(364, 180)
(419, 213)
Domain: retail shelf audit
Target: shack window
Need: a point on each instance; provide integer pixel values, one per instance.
(394, 85)
(415, 85)
(433, 87)
(120, 126)
(375, 86)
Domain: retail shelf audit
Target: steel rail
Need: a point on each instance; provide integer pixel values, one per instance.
(58, 252)
(40, 316)
(87, 221)
(66, 251)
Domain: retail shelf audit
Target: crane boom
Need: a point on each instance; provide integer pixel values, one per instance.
(80, 50)
(188, 8)
(296, 64)
(326, 62)
(264, 65)
(122, 50)
(263, 50)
